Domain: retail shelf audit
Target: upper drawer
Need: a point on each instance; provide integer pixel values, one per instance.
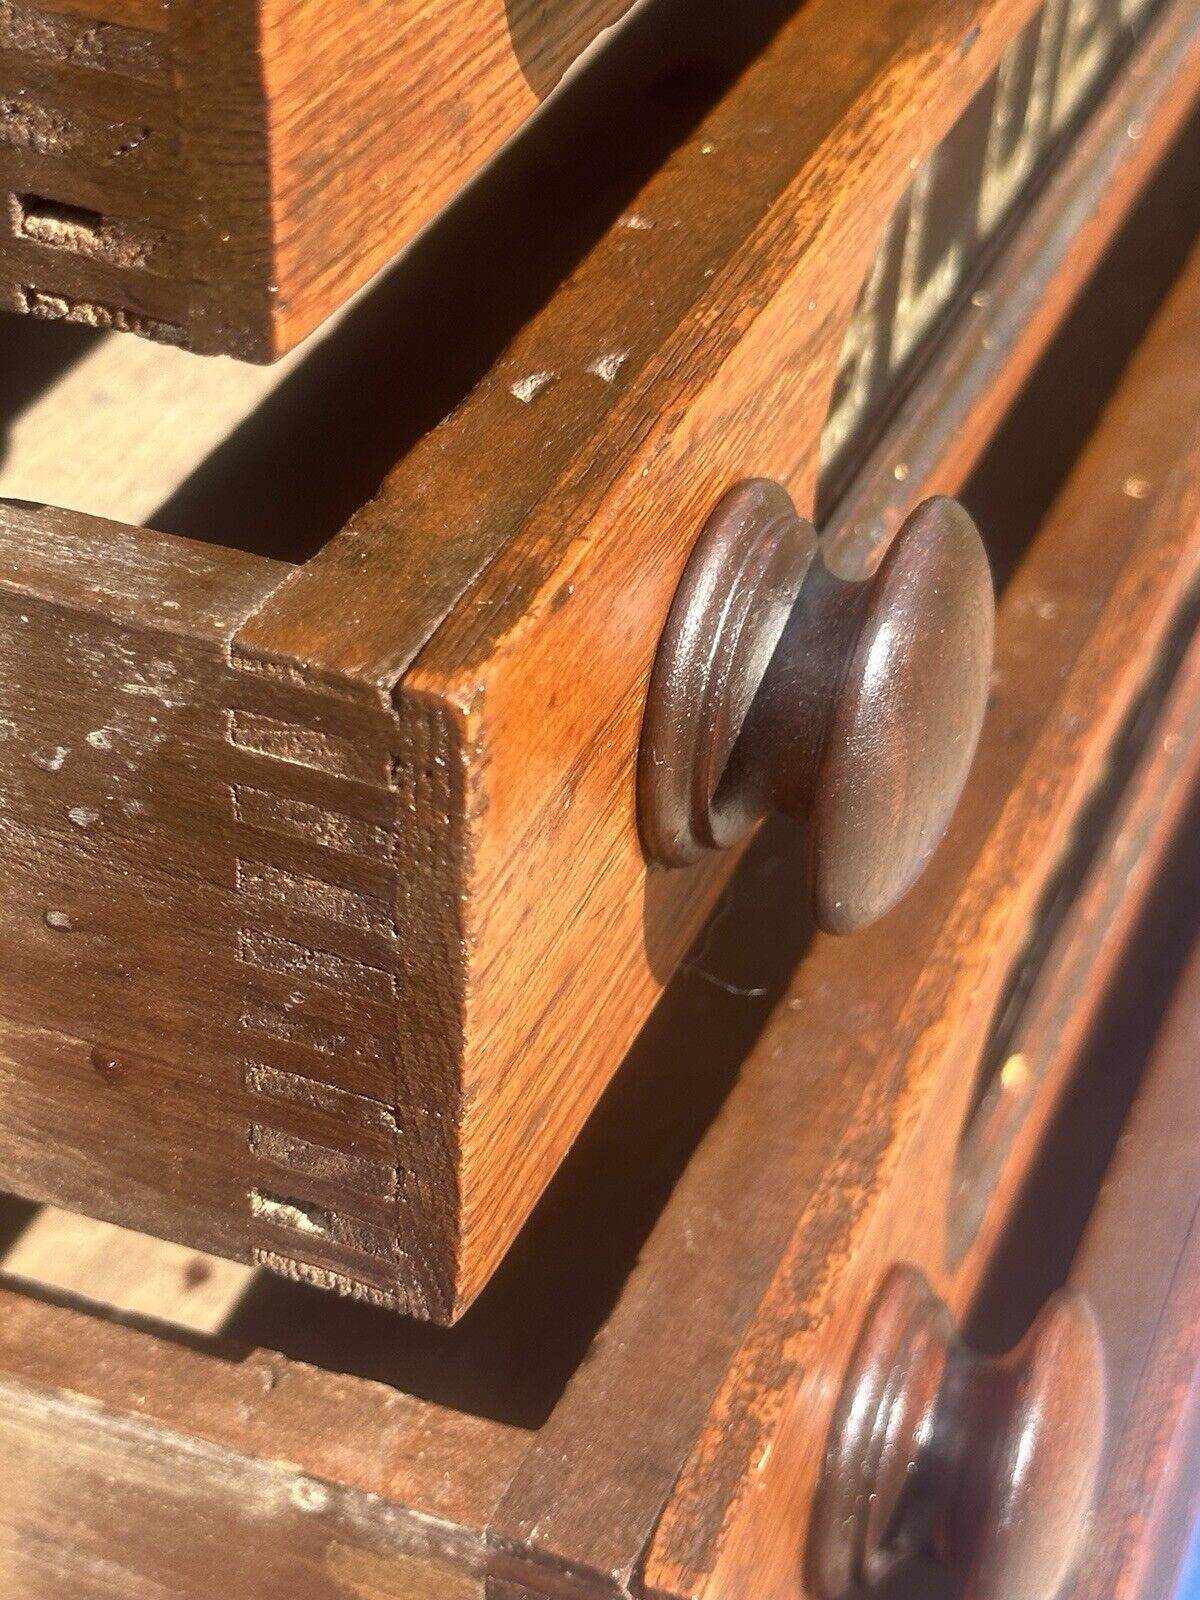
(222, 174)
(329, 911)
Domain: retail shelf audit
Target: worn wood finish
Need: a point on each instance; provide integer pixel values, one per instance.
(256, 1475)
(681, 1447)
(224, 176)
(380, 1029)
(889, 1187)
(1148, 1303)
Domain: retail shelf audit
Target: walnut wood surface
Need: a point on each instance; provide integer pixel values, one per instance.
(380, 1030)
(257, 1476)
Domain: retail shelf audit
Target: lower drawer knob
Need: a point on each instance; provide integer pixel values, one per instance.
(855, 707)
(989, 1465)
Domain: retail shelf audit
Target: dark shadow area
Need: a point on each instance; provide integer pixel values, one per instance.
(1034, 1258)
(32, 355)
(14, 1215)
(547, 36)
(1016, 481)
(512, 1354)
(428, 331)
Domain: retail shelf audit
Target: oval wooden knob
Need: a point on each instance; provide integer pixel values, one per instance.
(990, 1465)
(855, 707)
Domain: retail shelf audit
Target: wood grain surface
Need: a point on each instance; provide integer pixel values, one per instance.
(411, 929)
(775, 1396)
(1146, 1302)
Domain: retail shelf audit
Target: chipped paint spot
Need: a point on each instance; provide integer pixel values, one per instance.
(83, 816)
(51, 758)
(607, 367)
(100, 739)
(57, 919)
(528, 388)
(306, 1495)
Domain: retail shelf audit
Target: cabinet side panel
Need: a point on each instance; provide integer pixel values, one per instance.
(206, 966)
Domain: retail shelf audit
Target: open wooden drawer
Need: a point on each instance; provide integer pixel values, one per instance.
(642, 1402)
(223, 176)
(327, 915)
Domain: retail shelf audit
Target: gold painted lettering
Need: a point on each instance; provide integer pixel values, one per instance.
(1013, 149)
(1089, 35)
(923, 292)
(859, 357)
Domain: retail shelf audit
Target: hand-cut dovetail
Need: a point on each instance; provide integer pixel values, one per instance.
(92, 314)
(292, 1088)
(84, 232)
(34, 129)
(302, 1218)
(315, 897)
(293, 1154)
(297, 819)
(271, 953)
(288, 1026)
(304, 747)
(301, 1271)
(57, 39)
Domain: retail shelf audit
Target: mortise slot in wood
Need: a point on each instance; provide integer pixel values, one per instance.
(83, 232)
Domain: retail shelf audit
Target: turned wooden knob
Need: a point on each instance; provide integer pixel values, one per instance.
(990, 1465)
(855, 707)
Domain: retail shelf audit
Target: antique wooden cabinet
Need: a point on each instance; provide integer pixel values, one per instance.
(388, 941)
(363, 922)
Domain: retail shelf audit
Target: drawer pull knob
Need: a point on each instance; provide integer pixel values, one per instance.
(988, 1465)
(855, 707)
